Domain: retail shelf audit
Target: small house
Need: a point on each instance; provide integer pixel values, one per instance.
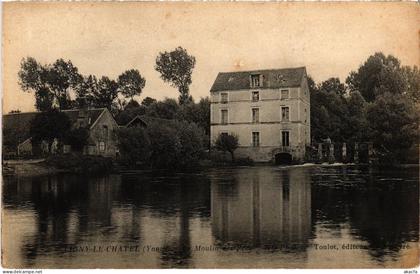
(99, 122)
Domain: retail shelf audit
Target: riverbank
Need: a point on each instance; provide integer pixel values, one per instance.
(29, 168)
(67, 163)
(79, 164)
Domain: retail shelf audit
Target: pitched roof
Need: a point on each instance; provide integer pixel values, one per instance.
(272, 78)
(18, 123)
(21, 122)
(136, 121)
(93, 114)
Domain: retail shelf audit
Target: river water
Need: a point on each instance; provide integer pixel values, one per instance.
(246, 217)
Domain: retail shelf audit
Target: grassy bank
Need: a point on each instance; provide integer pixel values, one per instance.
(66, 163)
(29, 169)
(81, 164)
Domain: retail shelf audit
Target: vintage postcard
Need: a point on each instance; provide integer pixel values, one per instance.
(210, 135)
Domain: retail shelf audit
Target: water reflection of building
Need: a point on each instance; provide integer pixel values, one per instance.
(262, 208)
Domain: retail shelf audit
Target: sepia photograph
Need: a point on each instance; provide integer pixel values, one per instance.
(210, 135)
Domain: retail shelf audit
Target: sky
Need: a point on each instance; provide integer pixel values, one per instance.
(330, 39)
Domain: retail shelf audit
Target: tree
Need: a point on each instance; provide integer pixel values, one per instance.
(176, 68)
(412, 77)
(85, 90)
(394, 124)
(356, 128)
(134, 145)
(148, 101)
(44, 99)
(203, 114)
(174, 143)
(328, 110)
(51, 83)
(131, 83)
(132, 105)
(77, 138)
(227, 142)
(120, 104)
(33, 77)
(62, 78)
(198, 113)
(105, 93)
(46, 126)
(128, 114)
(377, 75)
(166, 109)
(191, 138)
(164, 143)
(333, 85)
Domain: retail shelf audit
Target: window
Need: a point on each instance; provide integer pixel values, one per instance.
(285, 138)
(285, 113)
(224, 117)
(255, 139)
(255, 80)
(101, 146)
(255, 96)
(223, 98)
(306, 116)
(255, 115)
(284, 94)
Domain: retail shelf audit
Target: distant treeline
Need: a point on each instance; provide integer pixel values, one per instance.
(60, 85)
(378, 103)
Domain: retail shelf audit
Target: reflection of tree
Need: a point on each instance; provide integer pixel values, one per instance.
(270, 209)
(71, 209)
(170, 196)
(384, 213)
(54, 199)
(52, 207)
(155, 191)
(178, 251)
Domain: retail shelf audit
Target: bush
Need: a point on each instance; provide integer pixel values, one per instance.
(134, 145)
(176, 144)
(227, 142)
(165, 145)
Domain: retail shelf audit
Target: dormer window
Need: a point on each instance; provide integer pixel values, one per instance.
(256, 80)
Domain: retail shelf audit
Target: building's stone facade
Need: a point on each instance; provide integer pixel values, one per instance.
(103, 135)
(102, 131)
(238, 105)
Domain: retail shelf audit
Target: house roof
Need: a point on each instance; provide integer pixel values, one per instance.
(144, 120)
(272, 78)
(135, 121)
(21, 122)
(93, 114)
(18, 124)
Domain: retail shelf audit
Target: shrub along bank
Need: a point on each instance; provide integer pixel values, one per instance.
(162, 144)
